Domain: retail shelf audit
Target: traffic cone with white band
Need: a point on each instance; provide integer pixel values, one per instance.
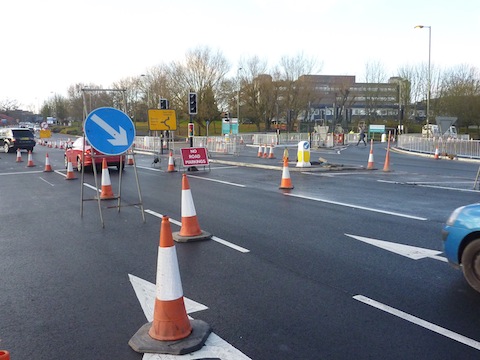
(171, 331)
(260, 151)
(286, 182)
(436, 156)
(171, 162)
(30, 160)
(107, 192)
(130, 158)
(190, 230)
(19, 156)
(48, 167)
(70, 174)
(271, 154)
(370, 164)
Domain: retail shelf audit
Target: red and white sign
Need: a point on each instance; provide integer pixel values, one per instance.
(194, 156)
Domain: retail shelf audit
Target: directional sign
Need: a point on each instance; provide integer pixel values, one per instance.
(215, 347)
(444, 123)
(109, 130)
(412, 252)
(162, 120)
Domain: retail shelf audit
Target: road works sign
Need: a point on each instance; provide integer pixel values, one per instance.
(194, 157)
(162, 120)
(109, 130)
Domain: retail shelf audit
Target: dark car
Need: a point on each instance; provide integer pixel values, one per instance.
(74, 154)
(12, 139)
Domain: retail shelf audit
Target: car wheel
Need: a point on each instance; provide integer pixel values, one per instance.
(79, 165)
(122, 166)
(6, 148)
(471, 264)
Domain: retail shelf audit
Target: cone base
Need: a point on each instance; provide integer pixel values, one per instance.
(179, 238)
(141, 342)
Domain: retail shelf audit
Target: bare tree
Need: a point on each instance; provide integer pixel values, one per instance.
(459, 95)
(201, 72)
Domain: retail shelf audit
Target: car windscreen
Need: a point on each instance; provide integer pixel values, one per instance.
(22, 133)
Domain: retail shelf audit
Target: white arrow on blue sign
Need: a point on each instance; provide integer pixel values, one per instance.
(109, 130)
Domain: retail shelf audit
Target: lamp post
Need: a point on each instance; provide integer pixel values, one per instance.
(238, 95)
(429, 68)
(148, 90)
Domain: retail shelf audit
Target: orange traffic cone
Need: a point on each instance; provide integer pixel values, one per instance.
(70, 174)
(190, 230)
(286, 182)
(265, 153)
(386, 165)
(271, 155)
(130, 158)
(171, 162)
(171, 331)
(260, 151)
(19, 156)
(4, 355)
(436, 156)
(107, 192)
(30, 161)
(48, 167)
(370, 157)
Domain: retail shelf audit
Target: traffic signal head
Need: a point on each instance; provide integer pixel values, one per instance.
(192, 103)
(163, 104)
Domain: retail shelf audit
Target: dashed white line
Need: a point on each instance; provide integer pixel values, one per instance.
(214, 238)
(215, 180)
(420, 322)
(358, 207)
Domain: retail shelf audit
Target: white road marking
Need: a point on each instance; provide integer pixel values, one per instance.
(49, 183)
(215, 346)
(229, 244)
(215, 180)
(357, 207)
(412, 252)
(23, 172)
(429, 184)
(214, 238)
(149, 168)
(420, 322)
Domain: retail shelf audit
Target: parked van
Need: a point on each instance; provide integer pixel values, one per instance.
(431, 130)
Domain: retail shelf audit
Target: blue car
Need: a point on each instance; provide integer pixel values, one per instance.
(461, 236)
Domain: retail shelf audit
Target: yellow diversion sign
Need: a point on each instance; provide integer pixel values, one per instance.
(162, 120)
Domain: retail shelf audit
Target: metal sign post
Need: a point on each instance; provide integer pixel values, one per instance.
(111, 132)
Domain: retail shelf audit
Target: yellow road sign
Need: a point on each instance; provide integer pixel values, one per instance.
(45, 134)
(162, 119)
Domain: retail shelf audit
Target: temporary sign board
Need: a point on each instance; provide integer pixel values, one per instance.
(444, 123)
(230, 126)
(376, 128)
(194, 157)
(45, 134)
(109, 130)
(162, 120)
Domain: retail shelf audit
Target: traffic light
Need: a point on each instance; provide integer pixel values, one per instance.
(192, 103)
(163, 104)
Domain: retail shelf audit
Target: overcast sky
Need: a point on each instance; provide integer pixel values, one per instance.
(49, 45)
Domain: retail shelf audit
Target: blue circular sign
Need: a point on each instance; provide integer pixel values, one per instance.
(306, 145)
(109, 130)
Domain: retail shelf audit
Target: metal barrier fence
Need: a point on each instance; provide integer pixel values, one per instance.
(449, 147)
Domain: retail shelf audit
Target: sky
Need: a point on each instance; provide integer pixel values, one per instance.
(49, 45)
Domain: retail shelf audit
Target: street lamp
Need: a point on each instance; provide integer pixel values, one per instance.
(148, 90)
(429, 68)
(238, 95)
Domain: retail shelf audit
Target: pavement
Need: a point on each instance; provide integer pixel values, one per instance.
(248, 157)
